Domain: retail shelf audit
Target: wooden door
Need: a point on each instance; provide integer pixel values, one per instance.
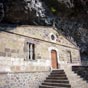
(54, 59)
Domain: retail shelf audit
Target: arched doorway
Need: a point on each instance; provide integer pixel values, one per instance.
(54, 62)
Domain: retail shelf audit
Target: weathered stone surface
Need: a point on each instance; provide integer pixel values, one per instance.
(7, 49)
(2, 54)
(22, 80)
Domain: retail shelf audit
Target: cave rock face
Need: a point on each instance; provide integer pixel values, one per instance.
(25, 11)
(1, 11)
(36, 11)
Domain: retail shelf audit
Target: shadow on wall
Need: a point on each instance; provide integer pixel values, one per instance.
(6, 27)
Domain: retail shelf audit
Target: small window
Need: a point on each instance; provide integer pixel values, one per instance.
(69, 56)
(31, 51)
(52, 37)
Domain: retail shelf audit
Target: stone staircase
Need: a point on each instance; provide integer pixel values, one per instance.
(75, 80)
(56, 79)
(82, 71)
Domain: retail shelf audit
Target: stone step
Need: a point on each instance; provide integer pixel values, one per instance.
(58, 78)
(57, 75)
(57, 81)
(57, 84)
(58, 71)
(46, 86)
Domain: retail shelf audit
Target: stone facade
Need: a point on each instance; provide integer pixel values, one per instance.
(15, 54)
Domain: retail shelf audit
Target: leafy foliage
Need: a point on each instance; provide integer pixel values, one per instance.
(55, 6)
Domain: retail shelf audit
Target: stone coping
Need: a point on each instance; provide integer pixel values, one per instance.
(24, 72)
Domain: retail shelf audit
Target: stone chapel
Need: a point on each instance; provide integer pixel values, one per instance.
(35, 48)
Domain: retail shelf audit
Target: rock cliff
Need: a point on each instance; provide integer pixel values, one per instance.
(26, 12)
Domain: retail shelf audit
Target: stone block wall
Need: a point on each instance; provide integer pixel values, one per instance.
(9, 64)
(39, 32)
(22, 80)
(11, 45)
